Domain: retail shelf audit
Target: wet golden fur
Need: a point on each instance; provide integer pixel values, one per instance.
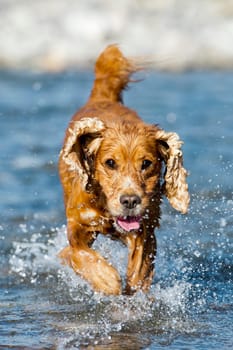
(112, 172)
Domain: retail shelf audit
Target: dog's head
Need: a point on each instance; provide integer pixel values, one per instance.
(125, 162)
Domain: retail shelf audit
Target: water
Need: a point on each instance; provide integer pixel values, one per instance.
(44, 305)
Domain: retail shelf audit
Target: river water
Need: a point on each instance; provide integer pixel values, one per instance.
(44, 305)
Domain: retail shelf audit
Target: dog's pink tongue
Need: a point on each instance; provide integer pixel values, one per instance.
(129, 223)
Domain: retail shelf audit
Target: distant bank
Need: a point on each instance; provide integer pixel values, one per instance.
(169, 34)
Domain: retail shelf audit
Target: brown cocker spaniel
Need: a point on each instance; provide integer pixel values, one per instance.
(114, 169)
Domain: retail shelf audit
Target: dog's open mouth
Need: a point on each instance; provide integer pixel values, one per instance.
(129, 223)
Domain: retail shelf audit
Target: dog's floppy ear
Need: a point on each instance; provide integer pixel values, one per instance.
(176, 188)
(82, 143)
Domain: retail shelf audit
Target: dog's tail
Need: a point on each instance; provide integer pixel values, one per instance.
(112, 75)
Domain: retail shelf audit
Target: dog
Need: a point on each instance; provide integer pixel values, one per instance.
(114, 169)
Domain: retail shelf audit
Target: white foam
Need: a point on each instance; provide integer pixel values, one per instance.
(30, 258)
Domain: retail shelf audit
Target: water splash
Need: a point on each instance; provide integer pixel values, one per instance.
(91, 318)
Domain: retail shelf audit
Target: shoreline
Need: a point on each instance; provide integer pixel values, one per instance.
(171, 35)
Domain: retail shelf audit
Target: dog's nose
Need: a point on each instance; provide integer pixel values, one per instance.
(130, 201)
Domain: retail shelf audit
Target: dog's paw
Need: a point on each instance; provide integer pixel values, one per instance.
(106, 279)
(90, 265)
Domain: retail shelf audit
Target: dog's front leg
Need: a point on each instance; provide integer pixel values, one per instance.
(140, 270)
(87, 262)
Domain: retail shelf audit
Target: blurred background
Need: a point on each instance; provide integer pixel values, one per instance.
(172, 34)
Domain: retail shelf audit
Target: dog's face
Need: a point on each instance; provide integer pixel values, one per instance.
(124, 161)
(128, 168)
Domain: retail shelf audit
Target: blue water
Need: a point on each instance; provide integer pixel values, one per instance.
(44, 305)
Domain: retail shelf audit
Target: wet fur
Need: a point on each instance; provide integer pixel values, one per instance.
(104, 129)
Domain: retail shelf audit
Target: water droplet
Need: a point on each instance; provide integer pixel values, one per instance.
(223, 222)
(197, 253)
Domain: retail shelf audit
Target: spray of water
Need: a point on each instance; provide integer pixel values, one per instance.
(92, 317)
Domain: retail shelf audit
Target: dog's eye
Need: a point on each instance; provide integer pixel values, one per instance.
(146, 163)
(111, 163)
